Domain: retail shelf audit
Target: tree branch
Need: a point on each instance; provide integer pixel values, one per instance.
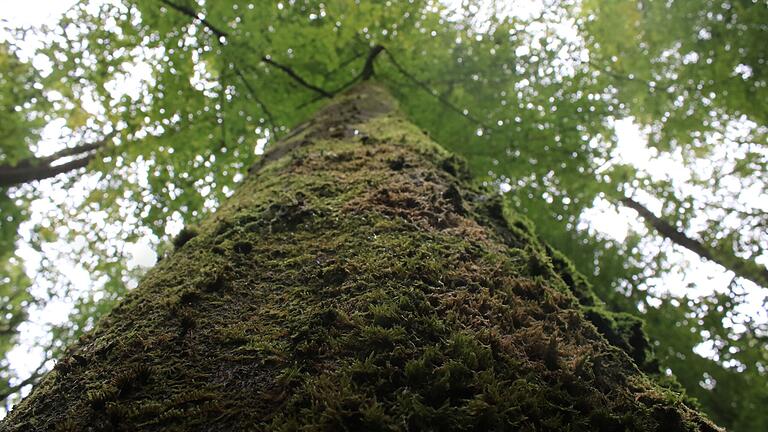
(296, 77)
(266, 59)
(188, 11)
(368, 71)
(741, 267)
(343, 64)
(14, 176)
(367, 68)
(73, 151)
(252, 93)
(43, 168)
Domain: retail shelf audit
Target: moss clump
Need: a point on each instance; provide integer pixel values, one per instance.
(339, 290)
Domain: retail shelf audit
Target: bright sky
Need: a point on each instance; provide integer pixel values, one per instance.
(603, 218)
(33, 12)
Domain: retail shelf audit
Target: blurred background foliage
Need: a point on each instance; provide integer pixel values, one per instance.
(129, 119)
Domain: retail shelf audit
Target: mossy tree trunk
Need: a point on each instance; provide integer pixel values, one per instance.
(358, 281)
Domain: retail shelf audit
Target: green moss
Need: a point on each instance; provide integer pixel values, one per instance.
(358, 281)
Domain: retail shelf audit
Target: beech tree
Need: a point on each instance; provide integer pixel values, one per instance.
(166, 104)
(355, 281)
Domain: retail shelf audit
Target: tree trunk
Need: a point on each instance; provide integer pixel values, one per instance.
(358, 281)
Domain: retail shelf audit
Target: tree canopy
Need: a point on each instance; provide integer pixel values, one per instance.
(160, 106)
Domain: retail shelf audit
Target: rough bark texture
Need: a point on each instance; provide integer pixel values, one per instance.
(357, 281)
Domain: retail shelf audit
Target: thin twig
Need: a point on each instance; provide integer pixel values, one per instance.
(435, 94)
(365, 73)
(343, 64)
(266, 59)
(188, 11)
(252, 93)
(221, 33)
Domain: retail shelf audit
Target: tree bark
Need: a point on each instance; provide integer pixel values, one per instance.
(739, 266)
(357, 280)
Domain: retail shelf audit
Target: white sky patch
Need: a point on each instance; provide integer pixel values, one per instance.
(28, 13)
(633, 148)
(141, 254)
(133, 82)
(610, 221)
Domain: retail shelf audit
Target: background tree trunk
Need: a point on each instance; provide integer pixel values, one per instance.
(41, 168)
(358, 281)
(748, 269)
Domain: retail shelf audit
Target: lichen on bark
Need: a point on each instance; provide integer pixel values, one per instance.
(358, 280)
